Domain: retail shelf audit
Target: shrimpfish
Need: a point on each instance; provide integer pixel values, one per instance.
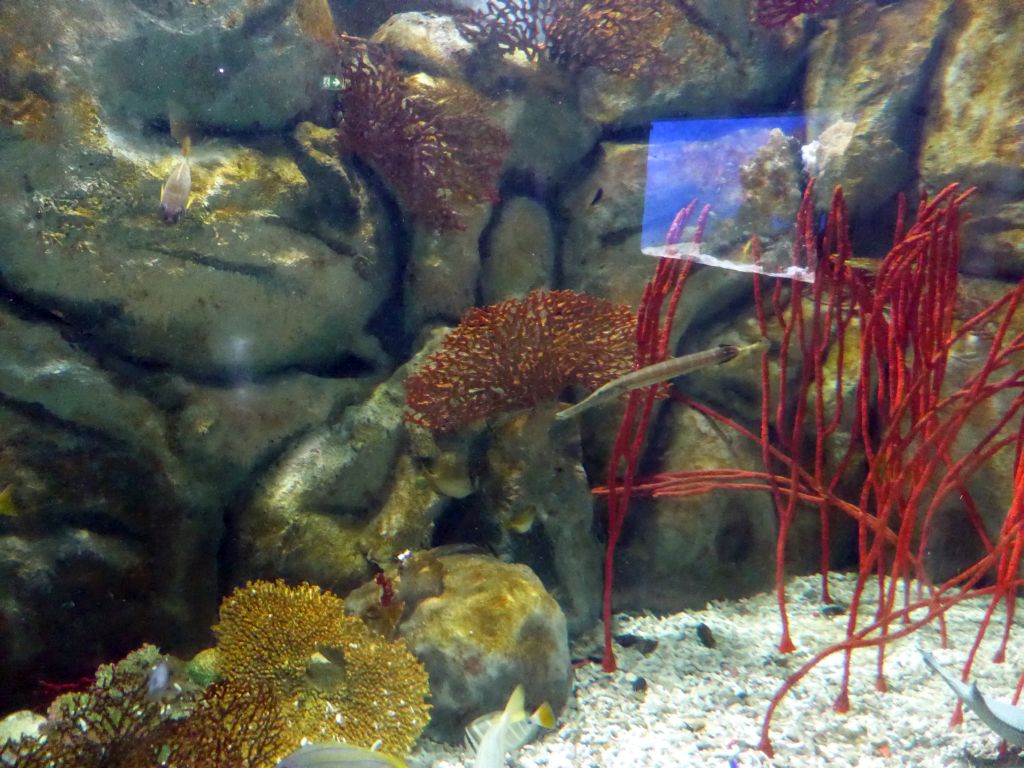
(338, 755)
(1006, 720)
(176, 192)
(496, 734)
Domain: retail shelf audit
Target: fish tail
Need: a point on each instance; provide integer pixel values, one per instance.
(544, 716)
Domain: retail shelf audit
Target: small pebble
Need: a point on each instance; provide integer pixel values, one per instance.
(705, 635)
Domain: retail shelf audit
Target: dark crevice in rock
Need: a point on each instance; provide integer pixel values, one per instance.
(38, 413)
(708, 27)
(618, 236)
(257, 271)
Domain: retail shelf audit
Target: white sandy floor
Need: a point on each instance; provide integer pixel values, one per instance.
(703, 706)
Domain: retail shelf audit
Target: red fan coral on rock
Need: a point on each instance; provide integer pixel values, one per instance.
(519, 353)
(623, 37)
(776, 13)
(430, 143)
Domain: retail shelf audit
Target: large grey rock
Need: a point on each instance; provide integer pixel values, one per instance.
(481, 627)
(867, 82)
(536, 496)
(722, 62)
(443, 270)
(974, 134)
(239, 288)
(135, 400)
(520, 251)
(252, 65)
(342, 498)
(550, 136)
(427, 41)
(677, 554)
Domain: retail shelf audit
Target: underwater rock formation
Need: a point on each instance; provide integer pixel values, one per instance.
(341, 497)
(536, 496)
(486, 627)
(977, 135)
(677, 554)
(868, 77)
(713, 57)
(428, 42)
(134, 395)
(519, 253)
(228, 64)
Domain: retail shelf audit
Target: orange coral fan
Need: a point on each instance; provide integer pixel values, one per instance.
(268, 630)
(332, 676)
(623, 37)
(519, 353)
(235, 725)
(435, 149)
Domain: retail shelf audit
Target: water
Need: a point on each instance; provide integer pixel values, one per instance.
(294, 290)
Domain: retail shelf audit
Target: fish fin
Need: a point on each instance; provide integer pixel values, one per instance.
(522, 521)
(515, 709)
(7, 506)
(957, 686)
(544, 716)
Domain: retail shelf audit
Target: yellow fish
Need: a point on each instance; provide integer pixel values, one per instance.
(493, 736)
(7, 506)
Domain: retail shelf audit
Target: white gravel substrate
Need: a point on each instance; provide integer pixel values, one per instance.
(704, 706)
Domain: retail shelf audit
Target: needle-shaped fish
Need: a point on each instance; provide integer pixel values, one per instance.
(657, 373)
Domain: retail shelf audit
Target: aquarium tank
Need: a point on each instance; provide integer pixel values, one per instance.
(511, 383)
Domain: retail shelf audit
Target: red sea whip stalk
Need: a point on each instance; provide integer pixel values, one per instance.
(652, 339)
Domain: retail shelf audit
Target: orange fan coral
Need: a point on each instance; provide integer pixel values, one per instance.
(269, 630)
(519, 353)
(333, 678)
(234, 725)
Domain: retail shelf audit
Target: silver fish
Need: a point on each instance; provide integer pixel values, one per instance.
(1006, 720)
(338, 755)
(657, 373)
(175, 194)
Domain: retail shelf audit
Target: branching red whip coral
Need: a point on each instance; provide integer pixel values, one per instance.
(623, 37)
(519, 353)
(653, 328)
(892, 334)
(432, 145)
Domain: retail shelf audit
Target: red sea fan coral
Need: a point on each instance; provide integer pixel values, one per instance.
(519, 353)
(623, 37)
(776, 13)
(433, 147)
